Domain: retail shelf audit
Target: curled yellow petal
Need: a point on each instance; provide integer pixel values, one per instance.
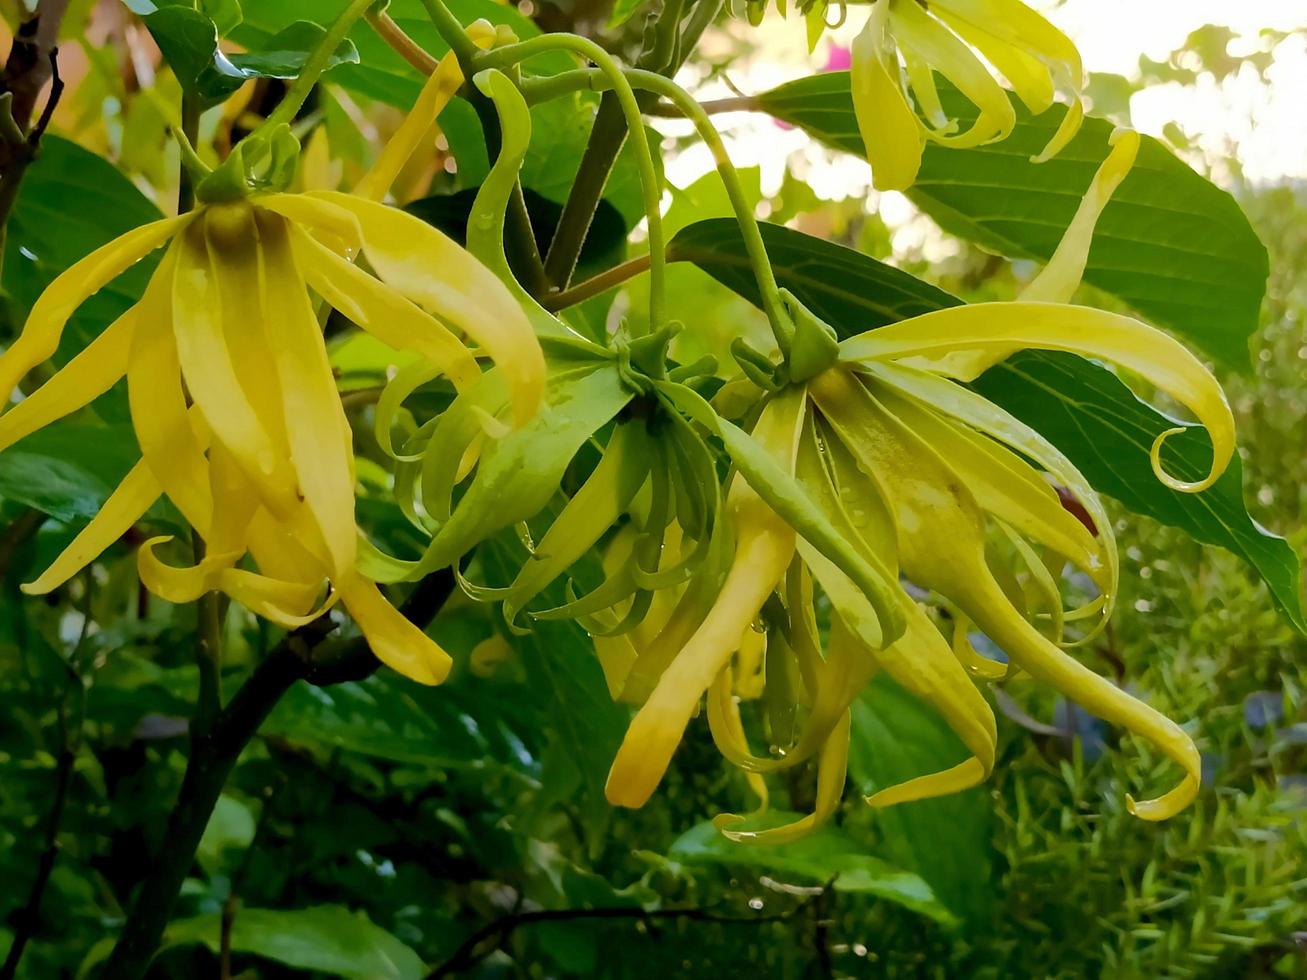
(125, 506)
(45, 324)
(937, 46)
(1122, 340)
(832, 772)
(922, 662)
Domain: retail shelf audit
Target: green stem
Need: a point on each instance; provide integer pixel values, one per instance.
(208, 651)
(752, 234)
(318, 61)
(453, 33)
(595, 80)
(516, 53)
(521, 241)
(668, 49)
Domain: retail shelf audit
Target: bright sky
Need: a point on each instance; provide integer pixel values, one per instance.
(1267, 121)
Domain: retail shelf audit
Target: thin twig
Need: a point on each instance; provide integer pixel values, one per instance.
(499, 930)
(604, 281)
(738, 103)
(401, 43)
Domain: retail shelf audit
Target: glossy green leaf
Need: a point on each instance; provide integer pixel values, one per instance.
(189, 42)
(69, 469)
(229, 833)
(827, 855)
(1107, 432)
(946, 841)
(1171, 244)
(386, 717)
(326, 938)
(1103, 428)
(71, 202)
(225, 14)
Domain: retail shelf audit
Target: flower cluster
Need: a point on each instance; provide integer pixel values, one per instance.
(764, 536)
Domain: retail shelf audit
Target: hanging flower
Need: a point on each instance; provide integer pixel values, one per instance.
(232, 395)
(922, 477)
(904, 43)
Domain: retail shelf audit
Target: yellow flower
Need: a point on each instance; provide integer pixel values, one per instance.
(922, 477)
(916, 38)
(234, 402)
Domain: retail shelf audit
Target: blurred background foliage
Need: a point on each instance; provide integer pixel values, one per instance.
(379, 829)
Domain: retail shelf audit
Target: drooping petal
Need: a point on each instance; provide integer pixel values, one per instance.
(318, 431)
(165, 427)
(937, 46)
(396, 641)
(765, 546)
(1078, 330)
(125, 506)
(1029, 77)
(444, 279)
(593, 509)
(441, 86)
(890, 132)
(83, 379)
(208, 363)
(1041, 659)
(382, 312)
(832, 773)
(45, 324)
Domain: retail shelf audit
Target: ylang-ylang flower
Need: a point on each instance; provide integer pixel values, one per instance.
(233, 399)
(905, 42)
(926, 479)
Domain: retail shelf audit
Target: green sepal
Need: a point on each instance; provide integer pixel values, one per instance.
(815, 345)
(757, 366)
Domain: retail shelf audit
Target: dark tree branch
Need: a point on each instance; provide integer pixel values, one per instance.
(32, 62)
(303, 655)
(70, 743)
(470, 953)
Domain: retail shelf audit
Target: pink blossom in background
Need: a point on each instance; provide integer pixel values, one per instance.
(837, 59)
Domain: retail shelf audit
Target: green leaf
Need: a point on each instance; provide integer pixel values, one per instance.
(623, 10)
(72, 202)
(386, 717)
(68, 470)
(1107, 432)
(1081, 407)
(229, 832)
(826, 855)
(1170, 244)
(225, 14)
(326, 938)
(189, 42)
(946, 841)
